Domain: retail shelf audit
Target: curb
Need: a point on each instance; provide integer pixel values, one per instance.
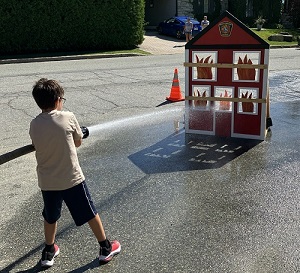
(285, 46)
(67, 57)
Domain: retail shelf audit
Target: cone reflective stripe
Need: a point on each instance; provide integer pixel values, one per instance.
(175, 94)
(175, 79)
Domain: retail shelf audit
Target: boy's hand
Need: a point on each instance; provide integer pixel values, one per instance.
(85, 131)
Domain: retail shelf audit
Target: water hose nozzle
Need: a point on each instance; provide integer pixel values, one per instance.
(85, 131)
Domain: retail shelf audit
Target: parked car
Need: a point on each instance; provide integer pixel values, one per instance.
(174, 26)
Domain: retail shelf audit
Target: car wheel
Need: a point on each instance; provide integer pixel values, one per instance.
(178, 34)
(160, 30)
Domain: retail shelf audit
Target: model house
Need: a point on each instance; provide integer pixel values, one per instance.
(226, 81)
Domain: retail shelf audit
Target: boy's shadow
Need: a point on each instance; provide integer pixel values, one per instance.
(36, 268)
(93, 264)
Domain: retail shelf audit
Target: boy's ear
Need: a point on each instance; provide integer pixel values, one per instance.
(56, 103)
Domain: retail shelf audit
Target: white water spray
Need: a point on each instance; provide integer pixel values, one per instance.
(150, 118)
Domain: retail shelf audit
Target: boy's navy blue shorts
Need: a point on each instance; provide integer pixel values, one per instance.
(77, 199)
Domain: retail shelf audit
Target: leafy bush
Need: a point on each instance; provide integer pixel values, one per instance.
(31, 26)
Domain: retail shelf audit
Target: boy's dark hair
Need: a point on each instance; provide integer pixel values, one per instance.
(46, 92)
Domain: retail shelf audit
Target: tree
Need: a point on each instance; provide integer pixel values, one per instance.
(294, 6)
(238, 9)
(268, 9)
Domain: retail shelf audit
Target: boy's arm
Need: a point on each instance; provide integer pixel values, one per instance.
(85, 133)
(77, 142)
(77, 134)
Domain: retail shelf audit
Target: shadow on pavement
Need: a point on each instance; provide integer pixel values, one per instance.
(36, 268)
(164, 103)
(87, 267)
(191, 152)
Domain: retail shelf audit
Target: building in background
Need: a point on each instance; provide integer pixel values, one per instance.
(157, 11)
(247, 11)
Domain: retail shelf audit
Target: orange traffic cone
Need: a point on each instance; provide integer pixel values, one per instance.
(175, 94)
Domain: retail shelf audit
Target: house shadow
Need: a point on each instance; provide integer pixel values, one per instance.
(186, 152)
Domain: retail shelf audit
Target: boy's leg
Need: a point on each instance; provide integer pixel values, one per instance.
(82, 209)
(97, 228)
(51, 213)
(50, 250)
(107, 248)
(50, 231)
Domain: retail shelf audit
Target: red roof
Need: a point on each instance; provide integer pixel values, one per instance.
(227, 32)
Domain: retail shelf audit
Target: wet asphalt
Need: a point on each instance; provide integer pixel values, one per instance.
(236, 210)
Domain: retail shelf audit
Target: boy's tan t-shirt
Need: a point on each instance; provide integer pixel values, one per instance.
(53, 136)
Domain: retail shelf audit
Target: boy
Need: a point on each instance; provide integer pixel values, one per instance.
(55, 134)
(188, 29)
(204, 22)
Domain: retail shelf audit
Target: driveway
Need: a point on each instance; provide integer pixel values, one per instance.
(157, 44)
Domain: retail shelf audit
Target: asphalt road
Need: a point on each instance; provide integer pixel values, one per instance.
(170, 212)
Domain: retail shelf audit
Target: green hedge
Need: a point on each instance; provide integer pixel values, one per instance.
(32, 26)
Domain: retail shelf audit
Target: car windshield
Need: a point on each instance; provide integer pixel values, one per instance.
(171, 20)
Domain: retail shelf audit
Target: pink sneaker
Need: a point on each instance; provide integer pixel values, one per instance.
(106, 255)
(48, 257)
